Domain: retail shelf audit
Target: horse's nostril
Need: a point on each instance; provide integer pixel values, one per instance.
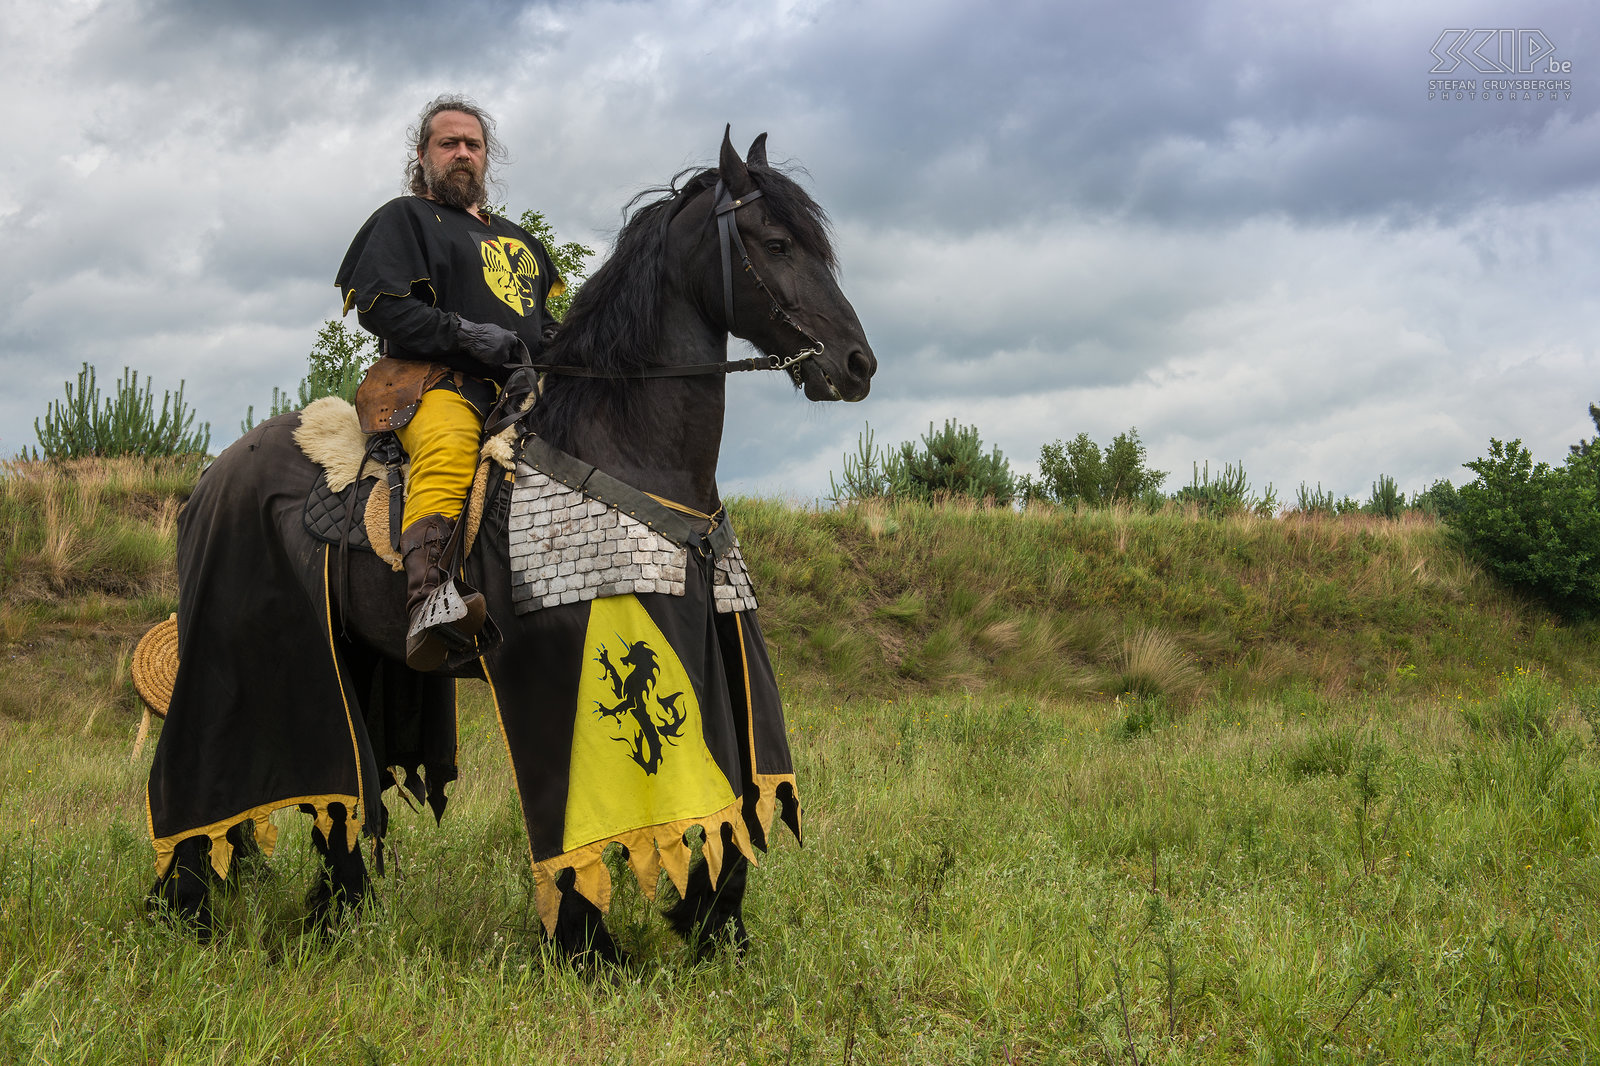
(861, 364)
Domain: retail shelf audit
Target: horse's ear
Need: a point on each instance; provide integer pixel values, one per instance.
(732, 168)
(757, 155)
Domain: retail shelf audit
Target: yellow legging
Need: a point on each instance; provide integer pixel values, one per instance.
(442, 440)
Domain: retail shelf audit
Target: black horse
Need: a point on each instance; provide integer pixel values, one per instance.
(292, 689)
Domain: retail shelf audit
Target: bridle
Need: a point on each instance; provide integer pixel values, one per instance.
(723, 207)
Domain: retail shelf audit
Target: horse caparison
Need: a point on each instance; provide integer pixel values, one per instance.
(661, 300)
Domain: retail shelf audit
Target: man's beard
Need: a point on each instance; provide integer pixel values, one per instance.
(458, 185)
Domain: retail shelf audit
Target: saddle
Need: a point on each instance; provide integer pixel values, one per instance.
(359, 498)
(341, 508)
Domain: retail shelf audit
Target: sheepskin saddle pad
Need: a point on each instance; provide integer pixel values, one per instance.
(342, 505)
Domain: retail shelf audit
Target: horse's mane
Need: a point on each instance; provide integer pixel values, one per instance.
(614, 323)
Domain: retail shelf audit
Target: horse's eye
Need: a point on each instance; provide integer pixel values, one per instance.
(778, 247)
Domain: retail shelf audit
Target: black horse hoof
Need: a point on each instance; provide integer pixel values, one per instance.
(705, 940)
(581, 933)
(185, 904)
(183, 894)
(711, 919)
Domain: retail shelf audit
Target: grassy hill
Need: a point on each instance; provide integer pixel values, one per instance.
(1093, 787)
(876, 599)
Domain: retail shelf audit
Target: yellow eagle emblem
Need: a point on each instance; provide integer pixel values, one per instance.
(512, 272)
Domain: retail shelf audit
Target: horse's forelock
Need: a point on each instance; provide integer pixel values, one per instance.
(794, 209)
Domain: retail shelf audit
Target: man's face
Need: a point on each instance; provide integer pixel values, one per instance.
(454, 160)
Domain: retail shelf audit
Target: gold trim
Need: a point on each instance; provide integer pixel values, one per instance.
(266, 832)
(353, 818)
(766, 784)
(651, 849)
(350, 297)
(494, 698)
(685, 509)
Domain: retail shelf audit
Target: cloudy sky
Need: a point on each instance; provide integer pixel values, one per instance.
(1243, 228)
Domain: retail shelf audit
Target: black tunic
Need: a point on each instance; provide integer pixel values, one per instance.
(440, 262)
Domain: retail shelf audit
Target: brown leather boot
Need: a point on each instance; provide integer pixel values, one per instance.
(428, 643)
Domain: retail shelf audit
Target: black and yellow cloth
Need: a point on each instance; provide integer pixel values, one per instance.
(271, 706)
(634, 719)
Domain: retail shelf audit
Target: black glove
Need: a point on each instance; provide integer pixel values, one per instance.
(493, 346)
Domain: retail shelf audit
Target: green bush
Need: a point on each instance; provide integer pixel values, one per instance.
(127, 425)
(1535, 526)
(1322, 501)
(1081, 471)
(863, 477)
(1386, 501)
(1439, 499)
(1229, 493)
(337, 363)
(950, 462)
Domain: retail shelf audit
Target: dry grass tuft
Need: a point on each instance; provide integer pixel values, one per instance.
(1150, 663)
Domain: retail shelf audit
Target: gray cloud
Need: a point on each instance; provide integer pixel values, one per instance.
(1252, 237)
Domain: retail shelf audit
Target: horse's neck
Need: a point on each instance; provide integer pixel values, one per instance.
(673, 451)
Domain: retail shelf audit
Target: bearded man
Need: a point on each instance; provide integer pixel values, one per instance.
(457, 296)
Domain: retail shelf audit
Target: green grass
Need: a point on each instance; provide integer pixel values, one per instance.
(876, 598)
(1078, 788)
(1362, 881)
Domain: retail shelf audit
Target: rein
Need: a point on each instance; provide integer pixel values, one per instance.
(723, 207)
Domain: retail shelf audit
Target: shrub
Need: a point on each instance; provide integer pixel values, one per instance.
(1322, 501)
(81, 427)
(1080, 470)
(1534, 526)
(335, 367)
(1386, 501)
(1439, 499)
(863, 477)
(951, 462)
(1229, 493)
(1313, 501)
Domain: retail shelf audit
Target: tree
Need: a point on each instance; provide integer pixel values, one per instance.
(1080, 470)
(1386, 501)
(1535, 526)
(1228, 493)
(125, 425)
(950, 462)
(1584, 447)
(1439, 499)
(335, 366)
(569, 259)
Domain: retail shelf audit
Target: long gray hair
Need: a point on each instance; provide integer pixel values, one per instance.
(419, 135)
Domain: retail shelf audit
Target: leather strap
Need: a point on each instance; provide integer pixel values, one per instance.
(725, 205)
(761, 362)
(599, 485)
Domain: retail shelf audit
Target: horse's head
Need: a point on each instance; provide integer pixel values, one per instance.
(770, 276)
